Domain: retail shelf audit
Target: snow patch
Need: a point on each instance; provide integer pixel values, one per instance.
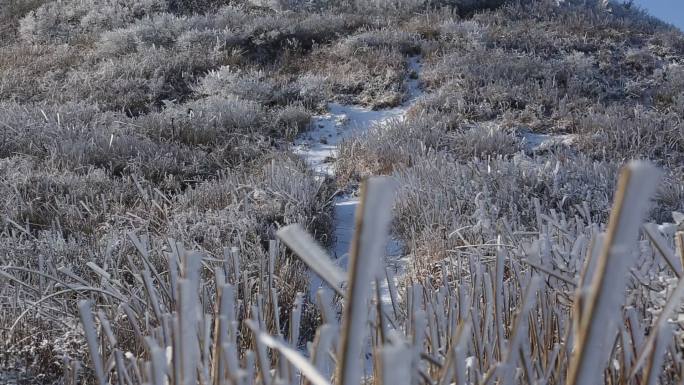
(318, 146)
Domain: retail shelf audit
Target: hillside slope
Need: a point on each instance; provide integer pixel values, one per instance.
(128, 125)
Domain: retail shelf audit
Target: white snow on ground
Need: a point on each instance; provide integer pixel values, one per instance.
(318, 147)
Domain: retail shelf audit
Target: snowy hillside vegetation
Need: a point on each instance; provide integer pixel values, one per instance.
(340, 192)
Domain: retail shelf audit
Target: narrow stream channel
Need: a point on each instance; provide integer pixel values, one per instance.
(319, 148)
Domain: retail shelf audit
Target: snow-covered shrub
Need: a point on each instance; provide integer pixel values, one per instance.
(158, 31)
(372, 77)
(295, 31)
(138, 82)
(227, 17)
(392, 7)
(390, 39)
(202, 34)
(34, 73)
(396, 144)
(390, 146)
(484, 140)
(493, 83)
(312, 89)
(210, 42)
(44, 196)
(259, 86)
(631, 132)
(280, 190)
(670, 86)
(117, 42)
(439, 193)
(291, 120)
(74, 136)
(209, 121)
(468, 31)
(250, 85)
(64, 21)
(129, 84)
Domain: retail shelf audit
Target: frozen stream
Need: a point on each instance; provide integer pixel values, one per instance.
(319, 148)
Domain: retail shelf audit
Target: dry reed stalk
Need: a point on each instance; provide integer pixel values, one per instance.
(651, 231)
(91, 338)
(637, 183)
(679, 243)
(301, 363)
(188, 318)
(313, 255)
(373, 217)
(657, 357)
(395, 357)
(498, 299)
(670, 307)
(322, 346)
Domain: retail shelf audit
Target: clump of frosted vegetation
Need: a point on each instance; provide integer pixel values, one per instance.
(206, 121)
(313, 88)
(469, 31)
(404, 42)
(70, 20)
(249, 85)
